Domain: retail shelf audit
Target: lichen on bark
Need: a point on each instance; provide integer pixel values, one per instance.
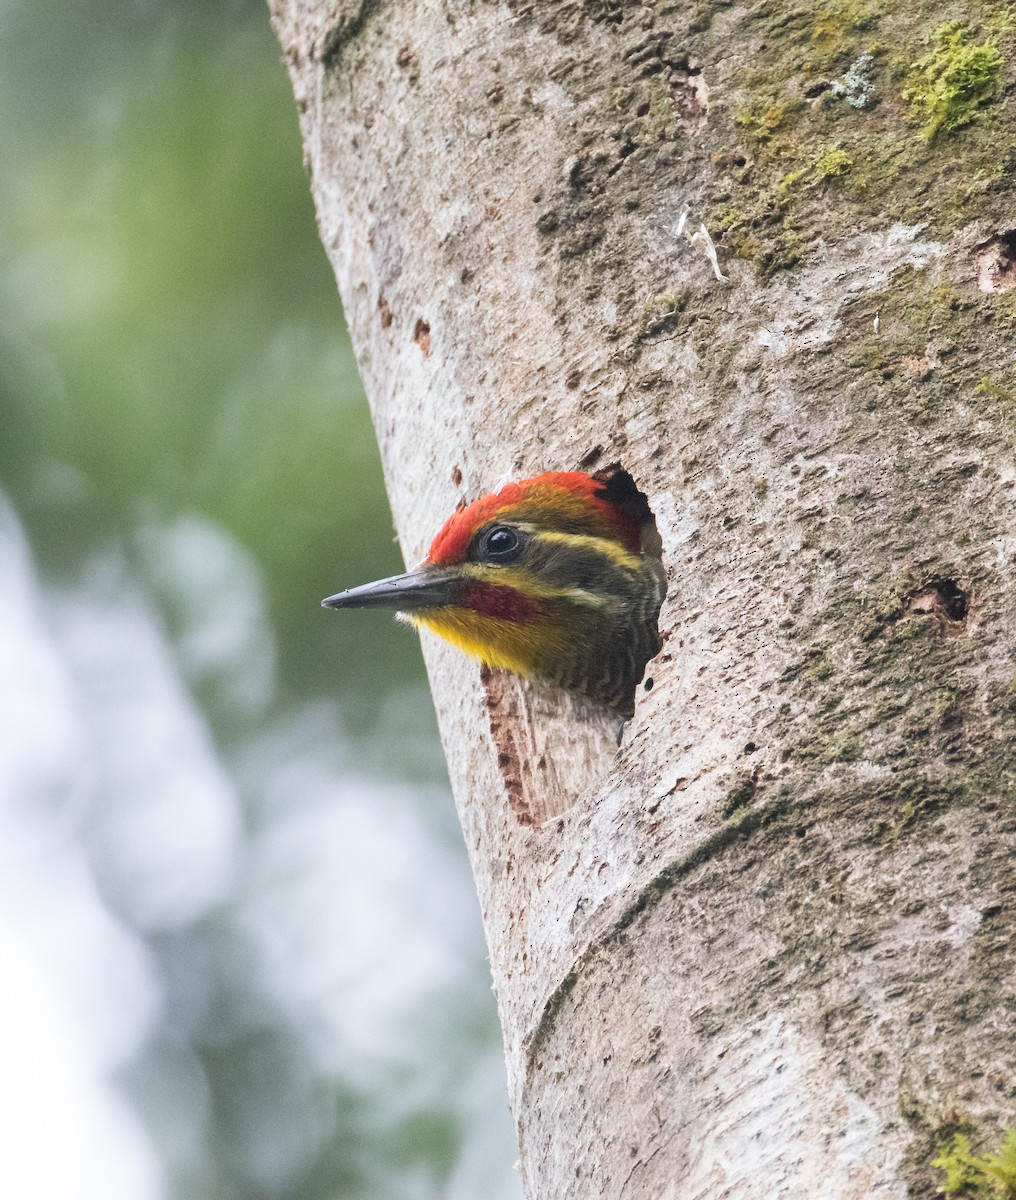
(889, 127)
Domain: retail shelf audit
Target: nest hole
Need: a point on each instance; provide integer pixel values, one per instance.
(948, 600)
(995, 262)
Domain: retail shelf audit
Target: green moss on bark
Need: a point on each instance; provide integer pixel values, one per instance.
(973, 1176)
(948, 87)
(913, 135)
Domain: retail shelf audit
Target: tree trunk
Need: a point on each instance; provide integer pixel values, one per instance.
(765, 947)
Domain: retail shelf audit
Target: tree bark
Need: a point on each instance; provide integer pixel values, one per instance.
(766, 946)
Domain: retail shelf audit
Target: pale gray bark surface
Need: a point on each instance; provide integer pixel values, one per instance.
(765, 948)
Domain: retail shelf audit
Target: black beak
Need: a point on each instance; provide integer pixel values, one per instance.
(426, 587)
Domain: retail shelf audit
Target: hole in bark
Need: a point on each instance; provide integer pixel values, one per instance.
(590, 457)
(457, 476)
(409, 63)
(594, 692)
(620, 490)
(948, 600)
(421, 335)
(954, 599)
(384, 309)
(750, 747)
(648, 685)
(995, 259)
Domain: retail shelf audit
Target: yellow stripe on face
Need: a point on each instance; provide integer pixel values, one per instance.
(529, 583)
(617, 553)
(531, 586)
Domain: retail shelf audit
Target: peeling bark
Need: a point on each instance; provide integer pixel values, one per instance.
(766, 946)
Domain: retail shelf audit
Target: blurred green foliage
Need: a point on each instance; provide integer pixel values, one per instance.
(170, 335)
(172, 346)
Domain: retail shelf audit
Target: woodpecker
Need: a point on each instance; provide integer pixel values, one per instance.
(557, 578)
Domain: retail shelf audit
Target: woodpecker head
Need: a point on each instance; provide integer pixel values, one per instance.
(557, 578)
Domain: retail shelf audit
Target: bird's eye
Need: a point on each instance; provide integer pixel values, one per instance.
(500, 544)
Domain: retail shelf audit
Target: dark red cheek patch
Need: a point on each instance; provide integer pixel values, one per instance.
(501, 603)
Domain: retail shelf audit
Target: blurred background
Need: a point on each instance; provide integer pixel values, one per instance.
(240, 951)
